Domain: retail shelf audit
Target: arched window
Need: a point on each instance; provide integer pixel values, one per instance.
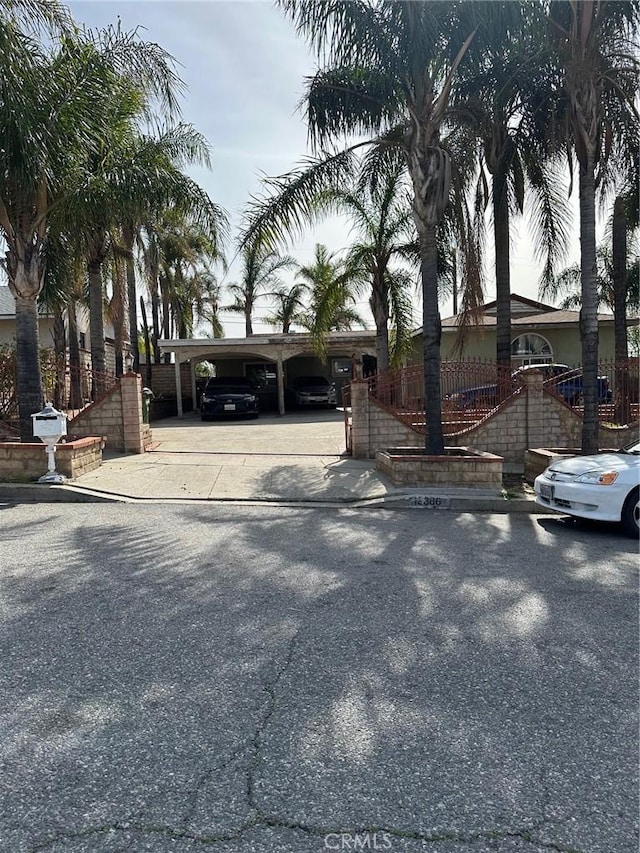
(531, 348)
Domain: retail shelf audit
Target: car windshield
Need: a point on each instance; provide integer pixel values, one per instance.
(634, 448)
(228, 387)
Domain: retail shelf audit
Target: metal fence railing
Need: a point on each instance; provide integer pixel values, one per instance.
(470, 390)
(69, 389)
(618, 390)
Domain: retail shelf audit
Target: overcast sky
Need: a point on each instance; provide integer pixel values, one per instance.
(244, 68)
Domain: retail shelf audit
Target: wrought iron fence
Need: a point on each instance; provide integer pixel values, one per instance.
(469, 390)
(618, 391)
(69, 389)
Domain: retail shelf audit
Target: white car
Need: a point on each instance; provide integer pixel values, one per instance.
(605, 487)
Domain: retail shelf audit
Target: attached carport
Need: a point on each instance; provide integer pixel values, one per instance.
(277, 349)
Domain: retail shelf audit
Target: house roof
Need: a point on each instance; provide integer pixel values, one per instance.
(520, 305)
(524, 312)
(555, 317)
(270, 346)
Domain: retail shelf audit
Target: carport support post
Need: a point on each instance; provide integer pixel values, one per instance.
(280, 376)
(178, 387)
(193, 386)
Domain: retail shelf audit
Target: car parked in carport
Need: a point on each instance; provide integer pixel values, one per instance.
(312, 391)
(228, 396)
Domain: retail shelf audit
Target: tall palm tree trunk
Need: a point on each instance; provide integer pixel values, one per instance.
(503, 280)
(96, 327)
(431, 332)
(155, 320)
(75, 384)
(133, 314)
(28, 377)
(621, 346)
(166, 315)
(589, 309)
(430, 171)
(147, 343)
(132, 301)
(381, 318)
(60, 350)
(118, 312)
(248, 325)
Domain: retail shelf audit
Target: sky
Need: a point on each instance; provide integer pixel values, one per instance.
(244, 68)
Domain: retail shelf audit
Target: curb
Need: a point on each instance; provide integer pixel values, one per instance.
(415, 500)
(51, 493)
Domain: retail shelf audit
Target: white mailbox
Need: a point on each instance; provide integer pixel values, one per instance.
(49, 426)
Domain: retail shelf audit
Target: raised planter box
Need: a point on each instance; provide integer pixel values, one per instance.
(25, 462)
(460, 466)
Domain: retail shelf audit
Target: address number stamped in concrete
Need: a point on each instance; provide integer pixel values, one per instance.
(429, 502)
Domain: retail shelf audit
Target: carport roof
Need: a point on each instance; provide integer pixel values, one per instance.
(270, 346)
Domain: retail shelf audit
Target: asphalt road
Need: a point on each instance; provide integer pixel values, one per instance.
(186, 678)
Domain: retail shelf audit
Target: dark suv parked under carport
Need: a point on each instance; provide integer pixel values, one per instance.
(228, 396)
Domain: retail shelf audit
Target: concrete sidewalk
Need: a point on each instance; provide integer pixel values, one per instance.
(298, 459)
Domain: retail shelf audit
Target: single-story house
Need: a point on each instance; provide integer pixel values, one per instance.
(8, 320)
(272, 361)
(45, 329)
(540, 333)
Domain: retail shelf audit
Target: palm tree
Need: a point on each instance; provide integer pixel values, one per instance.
(60, 94)
(388, 70)
(382, 217)
(32, 15)
(567, 285)
(187, 284)
(289, 307)
(207, 302)
(597, 53)
(260, 268)
(498, 98)
(332, 284)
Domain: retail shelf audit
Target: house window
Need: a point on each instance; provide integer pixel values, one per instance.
(341, 367)
(82, 340)
(531, 348)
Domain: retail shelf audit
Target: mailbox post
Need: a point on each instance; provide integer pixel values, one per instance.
(49, 426)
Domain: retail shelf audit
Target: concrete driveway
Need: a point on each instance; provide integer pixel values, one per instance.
(296, 457)
(313, 433)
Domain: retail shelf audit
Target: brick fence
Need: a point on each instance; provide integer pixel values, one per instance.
(532, 417)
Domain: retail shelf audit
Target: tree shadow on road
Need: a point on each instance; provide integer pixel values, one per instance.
(433, 674)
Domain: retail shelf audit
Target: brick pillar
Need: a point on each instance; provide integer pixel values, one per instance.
(532, 381)
(360, 442)
(131, 394)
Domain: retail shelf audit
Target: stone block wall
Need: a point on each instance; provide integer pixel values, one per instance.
(163, 379)
(102, 418)
(27, 462)
(530, 418)
(470, 469)
(117, 418)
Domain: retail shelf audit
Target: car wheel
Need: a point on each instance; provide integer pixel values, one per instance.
(631, 514)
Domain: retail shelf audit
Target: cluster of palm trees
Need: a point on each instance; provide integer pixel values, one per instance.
(475, 104)
(92, 158)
